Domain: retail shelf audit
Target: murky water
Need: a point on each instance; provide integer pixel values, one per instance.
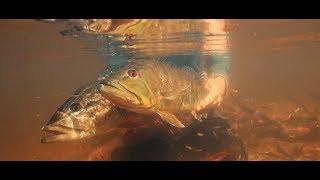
(273, 107)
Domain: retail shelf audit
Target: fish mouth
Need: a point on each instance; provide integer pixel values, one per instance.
(117, 91)
(109, 84)
(54, 133)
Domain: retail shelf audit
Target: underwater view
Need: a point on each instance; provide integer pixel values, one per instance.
(160, 89)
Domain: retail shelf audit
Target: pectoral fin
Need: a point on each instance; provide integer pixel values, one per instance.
(171, 119)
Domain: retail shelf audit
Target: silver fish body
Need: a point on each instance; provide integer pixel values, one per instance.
(82, 116)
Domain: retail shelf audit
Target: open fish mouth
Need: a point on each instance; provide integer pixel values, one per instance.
(118, 91)
(108, 83)
(60, 133)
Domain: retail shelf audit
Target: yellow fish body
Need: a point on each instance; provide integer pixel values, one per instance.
(150, 86)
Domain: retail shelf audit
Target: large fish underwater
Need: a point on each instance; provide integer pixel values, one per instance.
(84, 115)
(78, 116)
(88, 112)
(157, 87)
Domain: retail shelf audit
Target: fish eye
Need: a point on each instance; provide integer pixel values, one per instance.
(132, 73)
(75, 107)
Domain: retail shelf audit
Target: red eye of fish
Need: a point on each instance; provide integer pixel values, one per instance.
(132, 73)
